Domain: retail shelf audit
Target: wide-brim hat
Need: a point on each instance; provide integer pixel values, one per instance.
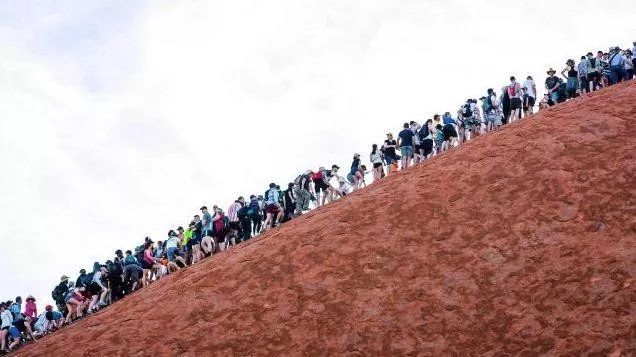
(30, 297)
(64, 278)
(551, 70)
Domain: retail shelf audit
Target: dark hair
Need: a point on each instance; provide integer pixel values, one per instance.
(428, 121)
(512, 78)
(272, 185)
(406, 125)
(374, 149)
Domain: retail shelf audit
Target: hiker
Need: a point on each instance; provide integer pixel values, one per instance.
(235, 224)
(405, 143)
(98, 290)
(148, 263)
(172, 244)
(74, 301)
(321, 186)
(470, 114)
(303, 192)
(388, 149)
(514, 92)
(377, 161)
(593, 72)
(115, 281)
(254, 213)
(197, 232)
(415, 128)
(552, 86)
(272, 206)
(343, 187)
(59, 292)
(584, 86)
(504, 105)
(426, 134)
(245, 222)
(7, 329)
(630, 63)
(616, 65)
(30, 308)
(220, 227)
(529, 97)
(18, 319)
(132, 277)
(206, 222)
(572, 78)
(450, 132)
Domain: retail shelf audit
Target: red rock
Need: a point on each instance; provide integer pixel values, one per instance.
(413, 265)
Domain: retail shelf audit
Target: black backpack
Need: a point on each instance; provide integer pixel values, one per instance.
(466, 111)
(115, 269)
(59, 293)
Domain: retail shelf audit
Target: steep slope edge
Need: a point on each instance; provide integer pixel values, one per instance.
(521, 241)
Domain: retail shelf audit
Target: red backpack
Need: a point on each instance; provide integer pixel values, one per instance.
(512, 90)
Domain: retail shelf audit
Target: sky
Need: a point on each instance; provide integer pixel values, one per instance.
(119, 119)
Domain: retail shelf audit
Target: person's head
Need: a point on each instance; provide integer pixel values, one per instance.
(428, 121)
(389, 136)
(582, 58)
(363, 168)
(204, 209)
(180, 229)
(570, 62)
(2, 306)
(374, 147)
(512, 79)
(529, 78)
(335, 168)
(272, 185)
(405, 125)
(590, 55)
(447, 114)
(357, 156)
(260, 197)
(551, 72)
(48, 308)
(18, 299)
(64, 279)
(241, 199)
(128, 252)
(30, 298)
(278, 186)
(119, 253)
(82, 271)
(159, 243)
(599, 54)
(290, 185)
(436, 117)
(252, 197)
(147, 245)
(196, 218)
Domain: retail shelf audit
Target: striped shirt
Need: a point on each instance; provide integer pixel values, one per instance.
(233, 210)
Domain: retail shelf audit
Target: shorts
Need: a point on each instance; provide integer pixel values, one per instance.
(94, 288)
(235, 226)
(320, 186)
(528, 102)
(427, 146)
(515, 103)
(171, 253)
(407, 151)
(377, 164)
(14, 332)
(594, 77)
(271, 208)
(449, 132)
(145, 265)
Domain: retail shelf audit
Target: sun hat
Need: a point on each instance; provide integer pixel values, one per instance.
(64, 278)
(30, 297)
(551, 70)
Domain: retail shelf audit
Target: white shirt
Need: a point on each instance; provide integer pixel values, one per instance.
(529, 85)
(376, 158)
(7, 318)
(172, 242)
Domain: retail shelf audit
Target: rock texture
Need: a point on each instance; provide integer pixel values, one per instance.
(522, 242)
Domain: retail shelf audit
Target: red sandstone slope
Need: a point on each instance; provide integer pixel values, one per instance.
(519, 243)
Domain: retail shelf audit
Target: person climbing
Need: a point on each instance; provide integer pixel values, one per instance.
(405, 143)
(377, 161)
(571, 75)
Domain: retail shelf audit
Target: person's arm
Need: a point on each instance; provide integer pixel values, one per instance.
(399, 141)
(564, 70)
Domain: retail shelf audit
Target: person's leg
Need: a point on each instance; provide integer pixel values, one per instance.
(3, 339)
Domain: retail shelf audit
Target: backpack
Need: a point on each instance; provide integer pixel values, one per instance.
(59, 293)
(220, 225)
(488, 104)
(130, 260)
(115, 269)
(317, 176)
(467, 112)
(298, 181)
(88, 279)
(593, 63)
(424, 132)
(242, 213)
(254, 208)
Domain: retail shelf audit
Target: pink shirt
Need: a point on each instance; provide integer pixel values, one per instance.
(31, 310)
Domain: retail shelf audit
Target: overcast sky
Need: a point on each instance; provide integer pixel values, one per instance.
(119, 119)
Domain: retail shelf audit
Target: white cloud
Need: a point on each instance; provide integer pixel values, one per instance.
(118, 122)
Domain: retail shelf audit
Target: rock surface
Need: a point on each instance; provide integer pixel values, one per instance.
(522, 242)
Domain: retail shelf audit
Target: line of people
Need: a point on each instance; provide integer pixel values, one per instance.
(215, 230)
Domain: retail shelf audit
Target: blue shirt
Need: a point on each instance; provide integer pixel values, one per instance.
(406, 137)
(616, 59)
(448, 120)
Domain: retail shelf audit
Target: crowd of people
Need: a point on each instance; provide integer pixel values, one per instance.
(215, 230)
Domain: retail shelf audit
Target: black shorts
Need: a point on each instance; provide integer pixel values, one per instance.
(320, 185)
(594, 76)
(235, 225)
(377, 164)
(449, 132)
(427, 146)
(528, 102)
(94, 288)
(145, 265)
(515, 103)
